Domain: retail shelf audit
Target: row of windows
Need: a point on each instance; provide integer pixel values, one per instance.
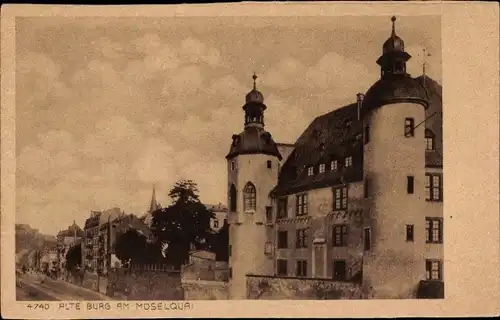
(433, 192)
(334, 166)
(433, 269)
(340, 235)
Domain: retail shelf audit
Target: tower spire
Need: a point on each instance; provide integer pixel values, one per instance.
(254, 77)
(393, 19)
(154, 205)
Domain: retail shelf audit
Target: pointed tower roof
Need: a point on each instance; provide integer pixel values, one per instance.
(153, 205)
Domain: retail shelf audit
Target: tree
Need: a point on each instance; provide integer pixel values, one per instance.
(130, 247)
(73, 257)
(184, 223)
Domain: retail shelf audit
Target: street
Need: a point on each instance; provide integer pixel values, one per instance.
(32, 288)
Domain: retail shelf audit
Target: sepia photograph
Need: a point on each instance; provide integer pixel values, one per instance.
(215, 163)
(163, 161)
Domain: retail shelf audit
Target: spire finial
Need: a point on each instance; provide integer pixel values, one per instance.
(393, 19)
(254, 77)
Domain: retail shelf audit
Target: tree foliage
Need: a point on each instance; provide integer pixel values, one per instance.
(184, 223)
(130, 246)
(73, 257)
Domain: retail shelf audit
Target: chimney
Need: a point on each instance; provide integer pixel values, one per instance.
(359, 98)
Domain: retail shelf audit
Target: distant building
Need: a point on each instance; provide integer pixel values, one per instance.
(220, 212)
(65, 240)
(109, 233)
(357, 198)
(93, 241)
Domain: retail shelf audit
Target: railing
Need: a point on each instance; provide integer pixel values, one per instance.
(153, 267)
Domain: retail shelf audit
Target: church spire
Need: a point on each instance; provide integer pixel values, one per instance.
(154, 205)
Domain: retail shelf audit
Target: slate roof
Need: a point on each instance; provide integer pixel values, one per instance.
(332, 136)
(338, 134)
(253, 140)
(394, 89)
(70, 232)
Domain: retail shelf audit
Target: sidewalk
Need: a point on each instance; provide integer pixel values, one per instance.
(63, 290)
(81, 290)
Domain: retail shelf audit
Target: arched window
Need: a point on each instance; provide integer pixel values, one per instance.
(233, 199)
(429, 140)
(249, 197)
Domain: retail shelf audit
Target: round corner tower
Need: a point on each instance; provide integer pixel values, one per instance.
(252, 164)
(393, 110)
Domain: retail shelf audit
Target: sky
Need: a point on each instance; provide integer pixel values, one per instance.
(107, 107)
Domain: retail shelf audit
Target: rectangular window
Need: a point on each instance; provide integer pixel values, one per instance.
(433, 187)
(366, 188)
(281, 267)
(233, 165)
(410, 181)
(282, 207)
(301, 204)
(269, 214)
(268, 248)
(367, 239)
(429, 143)
(367, 134)
(409, 127)
(230, 273)
(282, 239)
(340, 198)
(216, 223)
(310, 171)
(409, 232)
(269, 164)
(348, 162)
(301, 268)
(339, 270)
(322, 168)
(433, 230)
(334, 165)
(340, 235)
(301, 241)
(433, 269)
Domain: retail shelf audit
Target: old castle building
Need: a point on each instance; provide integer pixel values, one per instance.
(358, 197)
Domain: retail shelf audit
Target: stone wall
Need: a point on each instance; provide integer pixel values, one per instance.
(145, 284)
(290, 288)
(205, 290)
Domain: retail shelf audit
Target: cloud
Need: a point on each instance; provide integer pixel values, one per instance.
(332, 72)
(40, 76)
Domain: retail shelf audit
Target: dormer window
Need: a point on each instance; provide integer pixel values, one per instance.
(310, 171)
(348, 162)
(334, 165)
(322, 168)
(429, 140)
